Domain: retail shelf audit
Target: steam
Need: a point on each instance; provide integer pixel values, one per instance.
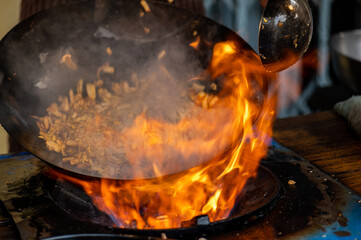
(160, 105)
(102, 32)
(167, 93)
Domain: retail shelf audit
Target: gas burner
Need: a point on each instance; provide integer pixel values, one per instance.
(100, 236)
(289, 199)
(75, 202)
(256, 198)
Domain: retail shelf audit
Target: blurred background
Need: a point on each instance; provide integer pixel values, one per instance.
(309, 86)
(9, 17)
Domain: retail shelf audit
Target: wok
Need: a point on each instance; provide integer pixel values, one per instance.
(346, 58)
(32, 78)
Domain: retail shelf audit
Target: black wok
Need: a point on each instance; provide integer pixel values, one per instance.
(29, 84)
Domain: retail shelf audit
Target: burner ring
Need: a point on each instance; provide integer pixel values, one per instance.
(254, 201)
(100, 236)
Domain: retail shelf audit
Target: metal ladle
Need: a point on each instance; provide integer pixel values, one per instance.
(285, 33)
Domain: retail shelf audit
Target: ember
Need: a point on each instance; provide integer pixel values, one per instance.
(234, 115)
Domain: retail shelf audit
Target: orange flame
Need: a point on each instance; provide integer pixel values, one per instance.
(195, 44)
(241, 120)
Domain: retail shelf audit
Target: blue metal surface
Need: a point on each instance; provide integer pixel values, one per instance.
(352, 231)
(351, 211)
(26, 155)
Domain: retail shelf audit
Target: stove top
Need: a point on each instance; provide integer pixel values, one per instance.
(302, 203)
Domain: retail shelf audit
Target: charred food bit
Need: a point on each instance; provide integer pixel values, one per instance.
(90, 89)
(106, 68)
(145, 5)
(161, 54)
(109, 51)
(69, 62)
(291, 182)
(164, 236)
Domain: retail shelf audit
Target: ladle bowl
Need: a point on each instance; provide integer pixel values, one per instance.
(285, 32)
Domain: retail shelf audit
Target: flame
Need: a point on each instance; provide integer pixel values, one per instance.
(195, 44)
(238, 121)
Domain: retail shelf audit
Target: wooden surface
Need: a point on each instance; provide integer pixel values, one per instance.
(326, 140)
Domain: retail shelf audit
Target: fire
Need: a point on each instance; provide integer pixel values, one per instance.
(195, 44)
(239, 120)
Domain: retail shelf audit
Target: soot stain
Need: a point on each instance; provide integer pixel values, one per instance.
(342, 221)
(342, 233)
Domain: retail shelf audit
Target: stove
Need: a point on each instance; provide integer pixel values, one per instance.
(289, 199)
